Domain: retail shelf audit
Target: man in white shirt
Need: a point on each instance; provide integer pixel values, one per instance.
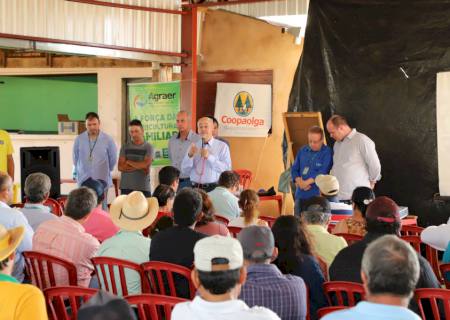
(207, 158)
(225, 203)
(10, 219)
(437, 237)
(355, 160)
(218, 275)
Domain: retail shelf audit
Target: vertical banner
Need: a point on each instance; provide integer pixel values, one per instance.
(243, 110)
(156, 105)
(443, 131)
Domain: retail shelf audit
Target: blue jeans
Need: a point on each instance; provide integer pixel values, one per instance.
(185, 183)
(297, 207)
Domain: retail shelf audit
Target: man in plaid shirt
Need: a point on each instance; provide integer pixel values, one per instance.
(266, 286)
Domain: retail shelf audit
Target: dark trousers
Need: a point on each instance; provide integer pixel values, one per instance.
(147, 194)
(207, 187)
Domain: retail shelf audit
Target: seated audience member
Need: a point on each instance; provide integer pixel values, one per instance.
(295, 256)
(165, 196)
(66, 238)
(12, 218)
(170, 176)
(17, 301)
(389, 271)
(99, 223)
(437, 236)
(207, 224)
(248, 202)
(37, 190)
(218, 275)
(132, 213)
(176, 244)
(163, 223)
(317, 217)
(266, 286)
(382, 217)
(356, 224)
(223, 198)
(329, 188)
(105, 306)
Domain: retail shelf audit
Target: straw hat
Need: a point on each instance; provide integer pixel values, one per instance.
(133, 212)
(10, 240)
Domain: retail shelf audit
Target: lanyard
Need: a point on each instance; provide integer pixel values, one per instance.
(91, 149)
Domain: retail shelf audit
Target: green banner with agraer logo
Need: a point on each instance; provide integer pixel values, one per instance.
(156, 105)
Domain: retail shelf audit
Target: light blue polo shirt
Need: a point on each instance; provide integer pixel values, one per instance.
(225, 203)
(373, 311)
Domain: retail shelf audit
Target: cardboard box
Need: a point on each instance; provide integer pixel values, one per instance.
(67, 126)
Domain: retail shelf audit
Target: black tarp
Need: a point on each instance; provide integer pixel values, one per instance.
(375, 62)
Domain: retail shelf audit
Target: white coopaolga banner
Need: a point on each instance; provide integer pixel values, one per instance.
(244, 110)
(443, 131)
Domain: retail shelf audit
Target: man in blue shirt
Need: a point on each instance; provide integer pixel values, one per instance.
(94, 153)
(312, 160)
(390, 270)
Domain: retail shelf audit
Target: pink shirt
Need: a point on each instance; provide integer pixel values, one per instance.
(66, 238)
(213, 228)
(100, 225)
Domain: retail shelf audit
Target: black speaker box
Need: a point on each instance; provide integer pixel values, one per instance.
(41, 159)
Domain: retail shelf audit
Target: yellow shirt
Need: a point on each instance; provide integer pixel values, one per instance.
(6, 149)
(20, 301)
(325, 244)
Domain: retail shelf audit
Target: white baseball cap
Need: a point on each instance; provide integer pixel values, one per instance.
(227, 249)
(327, 184)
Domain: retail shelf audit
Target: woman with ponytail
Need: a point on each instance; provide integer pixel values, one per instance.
(356, 224)
(248, 202)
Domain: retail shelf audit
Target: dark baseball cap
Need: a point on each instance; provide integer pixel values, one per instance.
(105, 306)
(383, 209)
(257, 242)
(98, 186)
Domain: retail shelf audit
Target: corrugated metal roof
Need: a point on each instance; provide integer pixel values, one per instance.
(60, 19)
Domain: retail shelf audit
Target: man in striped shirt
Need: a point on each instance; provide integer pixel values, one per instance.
(266, 286)
(66, 237)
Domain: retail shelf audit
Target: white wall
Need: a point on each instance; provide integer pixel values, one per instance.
(110, 110)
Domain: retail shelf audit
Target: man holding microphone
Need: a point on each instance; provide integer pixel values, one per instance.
(207, 158)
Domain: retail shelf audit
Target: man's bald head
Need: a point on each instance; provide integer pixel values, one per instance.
(205, 127)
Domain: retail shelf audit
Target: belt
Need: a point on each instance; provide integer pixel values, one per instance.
(204, 185)
(183, 179)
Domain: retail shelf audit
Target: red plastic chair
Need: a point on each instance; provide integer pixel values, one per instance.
(41, 268)
(431, 255)
(160, 277)
(222, 219)
(234, 231)
(322, 312)
(62, 201)
(338, 288)
(270, 220)
(55, 206)
(414, 241)
(409, 230)
(59, 298)
(146, 232)
(350, 237)
(330, 228)
(323, 267)
(106, 268)
(245, 177)
(434, 295)
(445, 273)
(154, 306)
